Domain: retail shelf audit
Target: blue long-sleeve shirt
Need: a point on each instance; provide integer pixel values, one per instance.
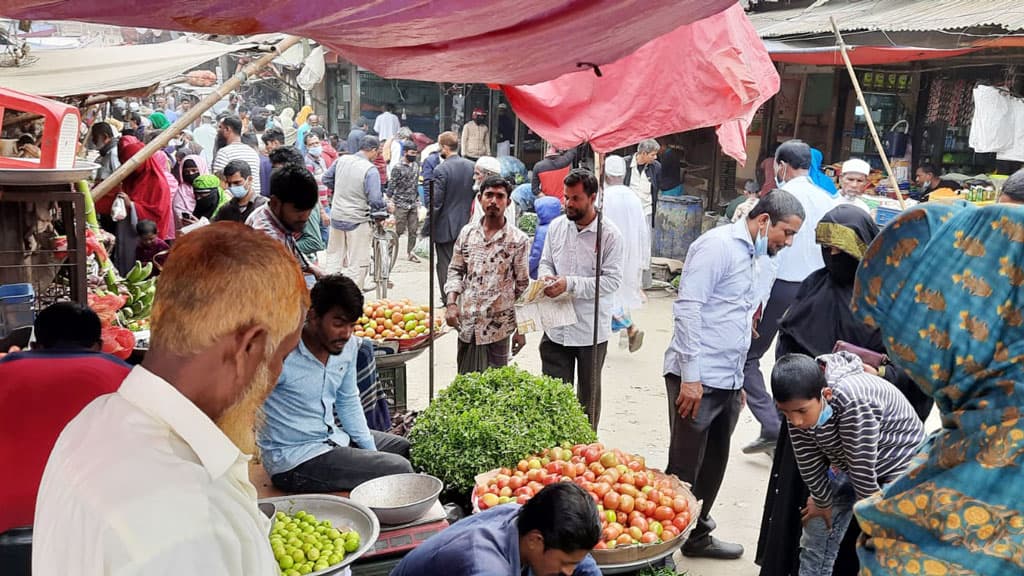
(300, 423)
(482, 545)
(719, 292)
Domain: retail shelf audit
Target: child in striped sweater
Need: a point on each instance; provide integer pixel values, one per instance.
(852, 433)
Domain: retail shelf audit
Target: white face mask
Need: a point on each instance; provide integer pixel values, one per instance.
(780, 179)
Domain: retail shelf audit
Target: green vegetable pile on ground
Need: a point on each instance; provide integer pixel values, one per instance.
(488, 420)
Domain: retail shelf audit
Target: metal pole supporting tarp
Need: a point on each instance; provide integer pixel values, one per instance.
(430, 300)
(186, 120)
(596, 367)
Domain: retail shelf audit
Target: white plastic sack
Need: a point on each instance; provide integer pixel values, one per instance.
(312, 69)
(422, 248)
(118, 211)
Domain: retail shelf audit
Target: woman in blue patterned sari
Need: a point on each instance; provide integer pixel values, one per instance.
(944, 284)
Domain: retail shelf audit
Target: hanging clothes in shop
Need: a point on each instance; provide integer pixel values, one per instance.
(1015, 152)
(992, 127)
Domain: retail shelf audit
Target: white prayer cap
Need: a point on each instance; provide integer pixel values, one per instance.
(856, 166)
(614, 166)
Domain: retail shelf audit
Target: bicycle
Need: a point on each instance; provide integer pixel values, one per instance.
(385, 254)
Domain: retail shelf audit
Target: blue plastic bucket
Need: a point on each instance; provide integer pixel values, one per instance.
(16, 307)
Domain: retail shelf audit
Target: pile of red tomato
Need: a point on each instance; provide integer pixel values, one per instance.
(637, 505)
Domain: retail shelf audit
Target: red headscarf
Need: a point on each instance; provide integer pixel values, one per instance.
(147, 187)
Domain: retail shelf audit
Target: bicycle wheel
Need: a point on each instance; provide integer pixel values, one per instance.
(392, 240)
(379, 266)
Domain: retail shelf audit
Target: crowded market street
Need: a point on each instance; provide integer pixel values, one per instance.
(635, 416)
(366, 289)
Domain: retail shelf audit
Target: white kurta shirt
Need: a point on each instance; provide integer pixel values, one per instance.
(623, 208)
(798, 261)
(571, 252)
(142, 482)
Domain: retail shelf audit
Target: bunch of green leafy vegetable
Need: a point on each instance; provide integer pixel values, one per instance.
(489, 420)
(528, 223)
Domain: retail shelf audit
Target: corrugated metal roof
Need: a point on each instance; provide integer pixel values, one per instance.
(892, 16)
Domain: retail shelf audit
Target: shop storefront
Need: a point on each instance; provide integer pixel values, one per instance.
(427, 107)
(923, 112)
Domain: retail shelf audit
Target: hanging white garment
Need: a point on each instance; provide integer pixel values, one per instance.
(1015, 153)
(990, 130)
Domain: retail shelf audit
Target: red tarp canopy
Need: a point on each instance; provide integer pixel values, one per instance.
(859, 55)
(715, 72)
(494, 41)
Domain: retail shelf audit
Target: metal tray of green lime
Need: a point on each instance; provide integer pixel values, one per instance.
(344, 515)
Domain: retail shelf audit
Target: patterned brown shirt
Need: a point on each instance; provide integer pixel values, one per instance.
(488, 275)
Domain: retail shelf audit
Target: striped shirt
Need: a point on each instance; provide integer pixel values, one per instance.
(239, 151)
(872, 435)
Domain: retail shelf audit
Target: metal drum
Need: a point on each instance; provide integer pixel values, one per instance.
(677, 224)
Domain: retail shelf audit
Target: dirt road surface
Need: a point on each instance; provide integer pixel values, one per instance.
(634, 414)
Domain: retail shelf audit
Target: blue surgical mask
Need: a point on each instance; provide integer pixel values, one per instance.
(761, 242)
(825, 414)
(316, 150)
(238, 191)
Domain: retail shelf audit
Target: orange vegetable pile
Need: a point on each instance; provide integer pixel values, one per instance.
(638, 506)
(393, 320)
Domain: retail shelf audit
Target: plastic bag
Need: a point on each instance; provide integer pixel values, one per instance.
(118, 211)
(422, 248)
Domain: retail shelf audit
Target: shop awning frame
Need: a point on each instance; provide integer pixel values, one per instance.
(796, 53)
(112, 70)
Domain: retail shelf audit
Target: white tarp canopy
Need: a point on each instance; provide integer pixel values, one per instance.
(111, 69)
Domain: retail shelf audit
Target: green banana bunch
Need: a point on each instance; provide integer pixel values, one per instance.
(141, 292)
(139, 273)
(134, 274)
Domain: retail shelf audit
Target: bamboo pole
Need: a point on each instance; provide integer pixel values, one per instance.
(867, 114)
(800, 106)
(189, 117)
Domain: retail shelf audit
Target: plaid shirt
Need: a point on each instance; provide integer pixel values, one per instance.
(489, 275)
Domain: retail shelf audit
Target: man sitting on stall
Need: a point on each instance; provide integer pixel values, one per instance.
(37, 400)
(929, 180)
(316, 437)
(551, 535)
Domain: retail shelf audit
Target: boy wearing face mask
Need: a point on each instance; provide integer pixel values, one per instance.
(853, 433)
(238, 178)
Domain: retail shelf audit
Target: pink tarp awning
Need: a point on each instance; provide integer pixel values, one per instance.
(712, 73)
(494, 41)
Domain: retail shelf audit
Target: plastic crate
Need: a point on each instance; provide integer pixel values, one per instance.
(16, 302)
(885, 215)
(392, 380)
